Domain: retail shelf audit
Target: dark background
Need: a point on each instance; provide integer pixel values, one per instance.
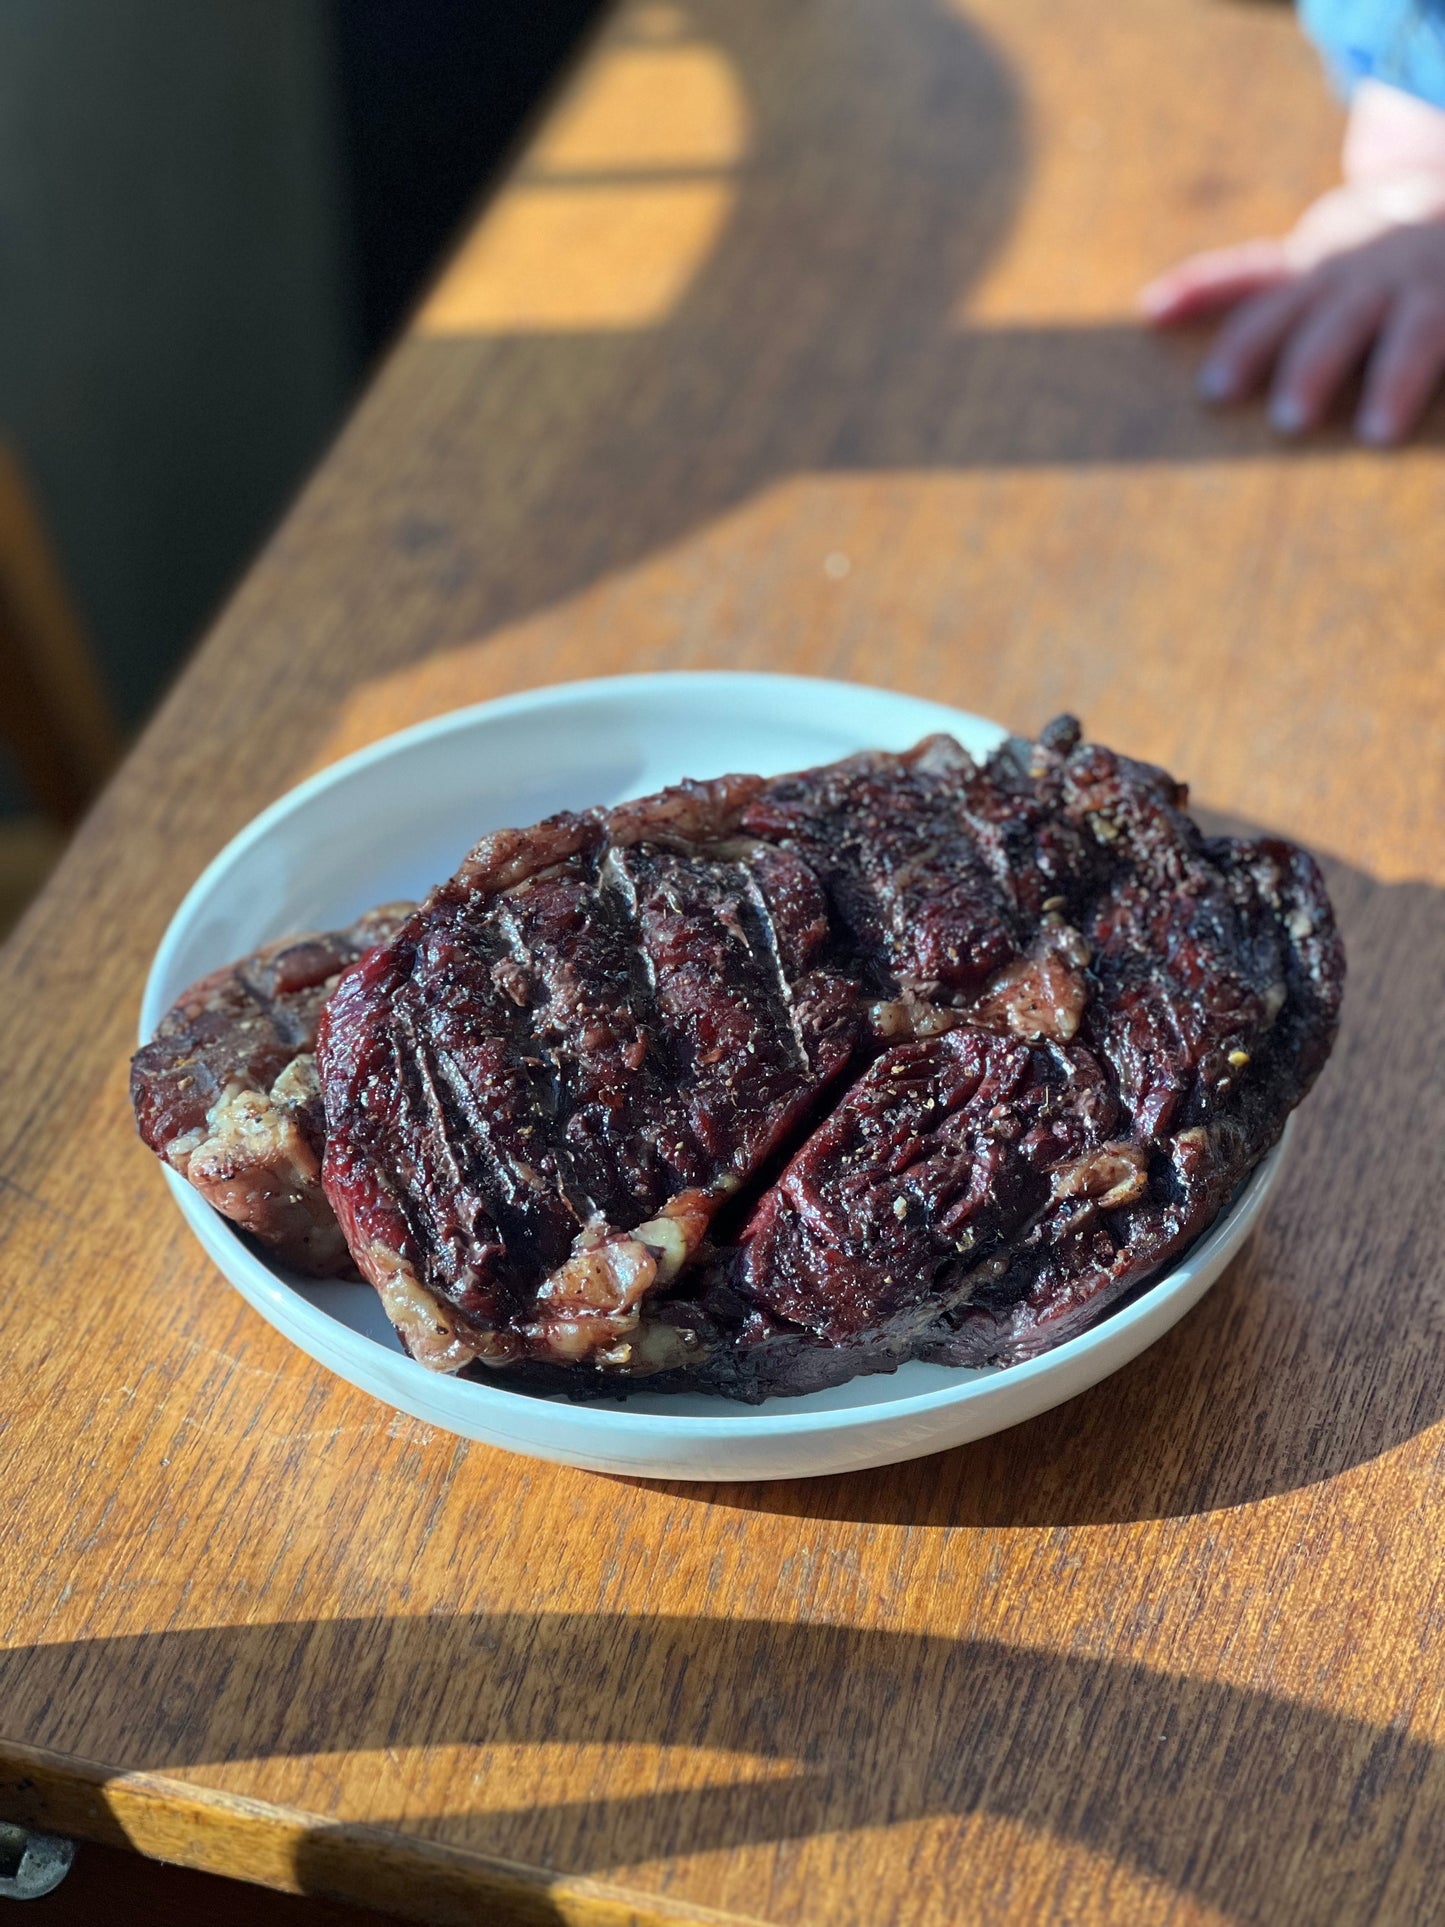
(213, 219)
(431, 95)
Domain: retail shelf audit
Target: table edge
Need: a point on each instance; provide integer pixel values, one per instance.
(241, 1838)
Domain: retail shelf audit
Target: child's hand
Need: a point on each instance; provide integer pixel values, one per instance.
(1361, 275)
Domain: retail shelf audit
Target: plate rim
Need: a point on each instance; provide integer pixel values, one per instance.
(771, 1418)
(598, 1422)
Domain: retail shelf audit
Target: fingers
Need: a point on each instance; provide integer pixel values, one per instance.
(1250, 340)
(1301, 319)
(1324, 348)
(1404, 370)
(1205, 283)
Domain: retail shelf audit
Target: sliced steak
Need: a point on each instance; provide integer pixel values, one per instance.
(908, 1204)
(759, 1085)
(916, 901)
(227, 1093)
(1157, 1043)
(539, 1094)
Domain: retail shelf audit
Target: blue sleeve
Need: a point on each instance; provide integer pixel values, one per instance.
(1401, 42)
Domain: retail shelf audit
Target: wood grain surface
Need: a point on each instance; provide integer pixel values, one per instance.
(800, 338)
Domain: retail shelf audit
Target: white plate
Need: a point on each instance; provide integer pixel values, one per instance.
(394, 819)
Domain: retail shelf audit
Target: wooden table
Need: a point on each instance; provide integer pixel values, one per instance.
(798, 339)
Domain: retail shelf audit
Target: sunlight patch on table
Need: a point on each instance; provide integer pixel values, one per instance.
(556, 259)
(1126, 175)
(638, 109)
(505, 1778)
(616, 208)
(983, 1869)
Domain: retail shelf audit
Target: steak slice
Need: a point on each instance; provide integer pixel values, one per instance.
(540, 1092)
(975, 1201)
(227, 1092)
(908, 1205)
(917, 903)
(759, 1085)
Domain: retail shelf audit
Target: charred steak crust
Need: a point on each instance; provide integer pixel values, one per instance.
(542, 1090)
(226, 1092)
(758, 1085)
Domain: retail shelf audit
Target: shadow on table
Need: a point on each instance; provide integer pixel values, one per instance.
(1255, 1805)
(821, 332)
(1289, 1371)
(823, 328)
(1259, 1806)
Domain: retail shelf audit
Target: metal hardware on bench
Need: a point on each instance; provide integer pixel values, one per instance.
(32, 1864)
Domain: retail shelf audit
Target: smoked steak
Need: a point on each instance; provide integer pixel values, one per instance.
(757, 1085)
(226, 1091)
